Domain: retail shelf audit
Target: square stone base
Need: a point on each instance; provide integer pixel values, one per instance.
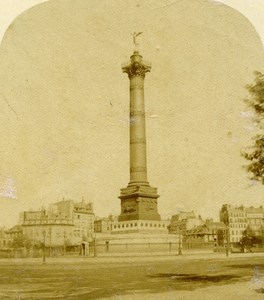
(139, 203)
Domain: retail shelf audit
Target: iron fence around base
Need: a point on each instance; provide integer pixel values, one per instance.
(100, 248)
(198, 245)
(35, 252)
(129, 248)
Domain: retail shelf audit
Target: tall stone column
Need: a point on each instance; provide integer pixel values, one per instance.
(138, 199)
(136, 71)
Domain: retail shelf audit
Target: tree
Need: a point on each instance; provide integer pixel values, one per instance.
(22, 242)
(255, 153)
(250, 238)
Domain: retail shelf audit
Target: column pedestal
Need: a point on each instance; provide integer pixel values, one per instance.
(139, 203)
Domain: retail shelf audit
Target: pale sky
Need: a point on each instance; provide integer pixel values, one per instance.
(252, 9)
(186, 190)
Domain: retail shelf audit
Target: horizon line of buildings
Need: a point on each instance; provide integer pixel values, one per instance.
(69, 223)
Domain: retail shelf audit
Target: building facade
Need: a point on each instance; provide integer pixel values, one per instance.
(80, 213)
(103, 225)
(5, 239)
(48, 231)
(15, 232)
(239, 218)
(65, 223)
(210, 232)
(184, 221)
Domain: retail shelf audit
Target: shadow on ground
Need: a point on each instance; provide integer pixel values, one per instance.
(260, 291)
(196, 278)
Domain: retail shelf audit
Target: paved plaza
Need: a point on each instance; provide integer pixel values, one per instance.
(198, 276)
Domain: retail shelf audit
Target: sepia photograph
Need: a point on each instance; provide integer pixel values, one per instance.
(132, 149)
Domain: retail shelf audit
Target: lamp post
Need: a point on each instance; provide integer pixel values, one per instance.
(213, 239)
(64, 242)
(180, 245)
(227, 241)
(95, 250)
(50, 241)
(44, 244)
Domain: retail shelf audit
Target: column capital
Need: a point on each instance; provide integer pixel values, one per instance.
(137, 66)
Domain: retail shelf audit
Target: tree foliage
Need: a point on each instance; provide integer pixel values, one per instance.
(250, 238)
(255, 153)
(22, 242)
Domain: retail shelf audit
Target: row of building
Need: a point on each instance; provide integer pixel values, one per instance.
(239, 218)
(234, 221)
(68, 222)
(65, 222)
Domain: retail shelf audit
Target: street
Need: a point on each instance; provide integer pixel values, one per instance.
(133, 278)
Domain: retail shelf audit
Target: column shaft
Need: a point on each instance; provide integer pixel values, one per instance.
(138, 155)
